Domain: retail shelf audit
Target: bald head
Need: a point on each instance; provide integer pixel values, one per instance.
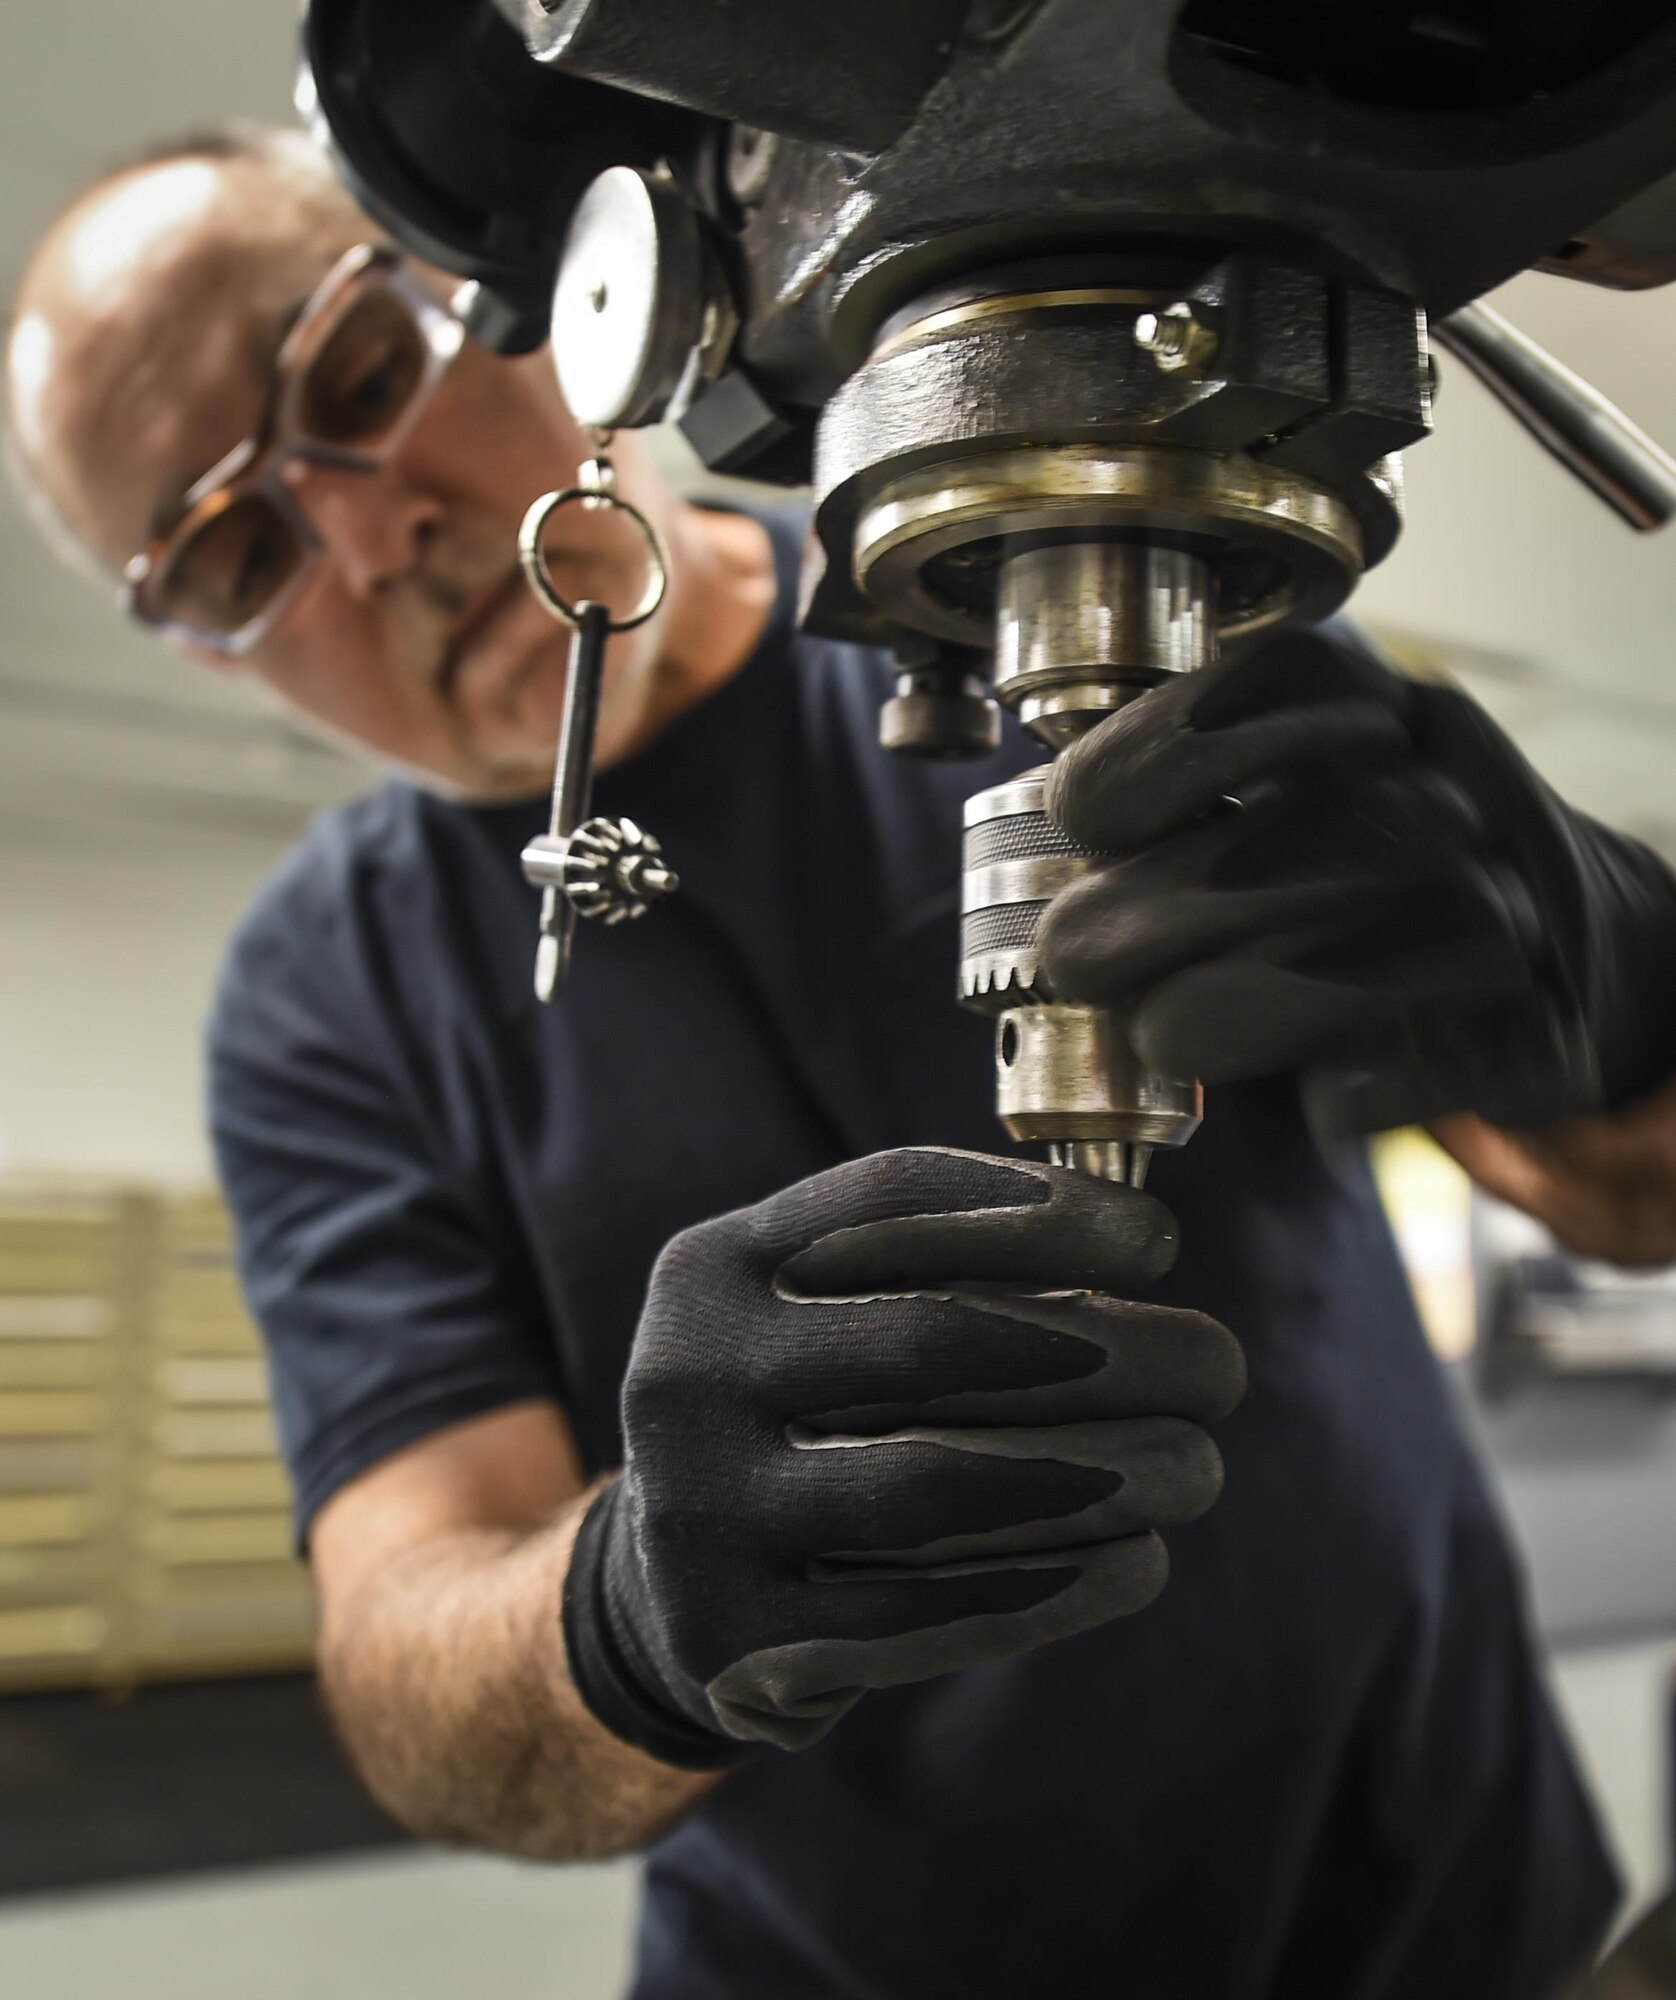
(143, 352)
(148, 316)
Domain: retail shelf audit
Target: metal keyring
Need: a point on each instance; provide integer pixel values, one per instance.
(535, 563)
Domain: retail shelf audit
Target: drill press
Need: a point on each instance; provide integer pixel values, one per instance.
(1097, 329)
(1057, 464)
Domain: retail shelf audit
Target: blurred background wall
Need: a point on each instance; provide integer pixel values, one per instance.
(141, 800)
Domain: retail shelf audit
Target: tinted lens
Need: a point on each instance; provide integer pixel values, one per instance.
(228, 571)
(366, 374)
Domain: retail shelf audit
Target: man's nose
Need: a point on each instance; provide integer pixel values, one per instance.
(373, 524)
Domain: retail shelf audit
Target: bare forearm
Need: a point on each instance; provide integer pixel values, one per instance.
(450, 1687)
(1605, 1187)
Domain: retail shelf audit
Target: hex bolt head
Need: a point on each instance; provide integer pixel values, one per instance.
(1176, 338)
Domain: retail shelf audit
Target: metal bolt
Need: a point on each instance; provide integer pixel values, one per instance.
(1175, 338)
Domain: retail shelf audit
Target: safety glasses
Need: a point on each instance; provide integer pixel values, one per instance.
(353, 375)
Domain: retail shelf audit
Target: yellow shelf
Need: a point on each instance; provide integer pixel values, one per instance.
(219, 1485)
(49, 1267)
(221, 1538)
(44, 1518)
(216, 1434)
(72, 1574)
(49, 1465)
(219, 1380)
(145, 1519)
(40, 1316)
(50, 1413)
(55, 1633)
(51, 1364)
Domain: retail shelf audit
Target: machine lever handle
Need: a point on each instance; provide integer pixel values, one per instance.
(1589, 435)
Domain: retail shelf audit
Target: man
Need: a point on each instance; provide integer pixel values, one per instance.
(888, 1486)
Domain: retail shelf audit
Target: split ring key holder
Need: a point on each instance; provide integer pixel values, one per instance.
(606, 869)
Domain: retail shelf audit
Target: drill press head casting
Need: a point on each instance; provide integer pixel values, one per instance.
(1097, 330)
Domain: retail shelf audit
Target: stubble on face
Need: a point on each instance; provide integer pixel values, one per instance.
(455, 670)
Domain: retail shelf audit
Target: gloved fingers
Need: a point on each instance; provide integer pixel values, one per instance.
(1044, 1358)
(912, 1181)
(1110, 937)
(1173, 755)
(1469, 933)
(1244, 1017)
(887, 1630)
(1515, 1064)
(1333, 828)
(874, 1363)
(922, 1216)
(919, 1498)
(1424, 965)
(1355, 1103)
(1339, 826)
(1455, 736)
(1066, 1230)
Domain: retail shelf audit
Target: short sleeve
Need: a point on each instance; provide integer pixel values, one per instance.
(392, 1304)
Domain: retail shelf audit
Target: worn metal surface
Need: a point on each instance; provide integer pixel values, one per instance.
(1092, 123)
(850, 75)
(1109, 322)
(1064, 1075)
(470, 154)
(942, 707)
(1015, 859)
(1067, 1075)
(1082, 625)
(983, 408)
(926, 552)
(928, 140)
(640, 317)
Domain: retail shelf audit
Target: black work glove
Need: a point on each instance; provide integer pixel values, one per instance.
(845, 1470)
(1398, 906)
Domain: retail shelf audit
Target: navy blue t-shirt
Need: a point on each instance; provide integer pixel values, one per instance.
(1321, 1767)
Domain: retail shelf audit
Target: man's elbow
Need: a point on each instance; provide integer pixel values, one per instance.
(465, 1787)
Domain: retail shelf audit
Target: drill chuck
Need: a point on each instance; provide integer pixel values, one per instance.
(1065, 1075)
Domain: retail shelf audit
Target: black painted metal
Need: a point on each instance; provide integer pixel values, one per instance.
(1631, 250)
(1449, 56)
(471, 155)
(1399, 155)
(1102, 123)
(850, 75)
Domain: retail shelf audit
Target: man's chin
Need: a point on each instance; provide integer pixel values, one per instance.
(498, 764)
(509, 748)
(512, 742)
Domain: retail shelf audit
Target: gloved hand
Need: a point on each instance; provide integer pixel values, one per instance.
(850, 1466)
(1398, 907)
